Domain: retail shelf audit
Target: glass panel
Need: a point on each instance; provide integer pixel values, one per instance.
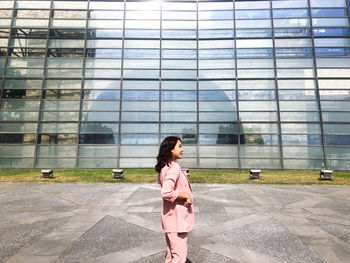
(303, 152)
(20, 105)
(58, 128)
(97, 162)
(337, 128)
(327, 22)
(256, 84)
(99, 116)
(217, 106)
(102, 84)
(255, 63)
(335, 94)
(141, 63)
(252, 5)
(253, 23)
(211, 64)
(62, 84)
(59, 116)
(218, 139)
(19, 84)
(217, 84)
(303, 164)
(99, 127)
(18, 116)
(57, 105)
(338, 152)
(178, 95)
(57, 151)
(335, 106)
(222, 128)
(257, 73)
(252, 14)
(140, 106)
(296, 84)
(140, 95)
(300, 128)
(256, 95)
(259, 139)
(18, 127)
(298, 139)
(336, 116)
(174, 106)
(103, 63)
(257, 106)
(343, 140)
(17, 151)
(289, 13)
(16, 162)
(98, 139)
(289, 4)
(138, 151)
(55, 163)
(339, 164)
(57, 138)
(64, 63)
(140, 116)
(17, 138)
(102, 73)
(217, 95)
(258, 128)
(139, 163)
(294, 63)
(178, 116)
(296, 94)
(179, 85)
(25, 62)
(101, 105)
(61, 94)
(300, 116)
(258, 116)
(139, 128)
(98, 151)
(298, 106)
(295, 73)
(261, 163)
(101, 94)
(259, 151)
(321, 3)
(217, 116)
(139, 139)
(218, 163)
(218, 151)
(183, 128)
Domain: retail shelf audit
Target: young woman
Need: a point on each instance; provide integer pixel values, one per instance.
(177, 209)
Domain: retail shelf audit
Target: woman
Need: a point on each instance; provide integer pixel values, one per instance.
(177, 209)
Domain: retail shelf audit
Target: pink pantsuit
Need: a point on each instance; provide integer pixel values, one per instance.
(177, 219)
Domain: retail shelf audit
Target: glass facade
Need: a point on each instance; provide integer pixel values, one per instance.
(245, 84)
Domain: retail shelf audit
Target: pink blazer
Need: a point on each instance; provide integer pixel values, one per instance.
(175, 216)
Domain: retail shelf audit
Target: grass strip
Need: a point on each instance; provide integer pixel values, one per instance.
(196, 176)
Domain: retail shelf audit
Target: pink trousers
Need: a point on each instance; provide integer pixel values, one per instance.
(176, 247)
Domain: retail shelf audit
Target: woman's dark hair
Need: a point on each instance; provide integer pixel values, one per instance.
(165, 156)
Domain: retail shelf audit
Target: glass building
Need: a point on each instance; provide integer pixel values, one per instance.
(245, 84)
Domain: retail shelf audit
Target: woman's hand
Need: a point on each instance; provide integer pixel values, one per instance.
(188, 202)
(185, 199)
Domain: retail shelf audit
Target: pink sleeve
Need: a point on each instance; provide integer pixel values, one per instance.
(168, 191)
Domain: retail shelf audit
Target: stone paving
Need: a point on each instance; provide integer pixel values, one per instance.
(121, 223)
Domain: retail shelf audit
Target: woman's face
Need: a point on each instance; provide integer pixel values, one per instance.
(177, 151)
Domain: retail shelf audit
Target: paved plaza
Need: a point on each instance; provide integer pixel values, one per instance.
(49, 222)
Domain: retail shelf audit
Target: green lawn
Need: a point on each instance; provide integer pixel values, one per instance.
(196, 176)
